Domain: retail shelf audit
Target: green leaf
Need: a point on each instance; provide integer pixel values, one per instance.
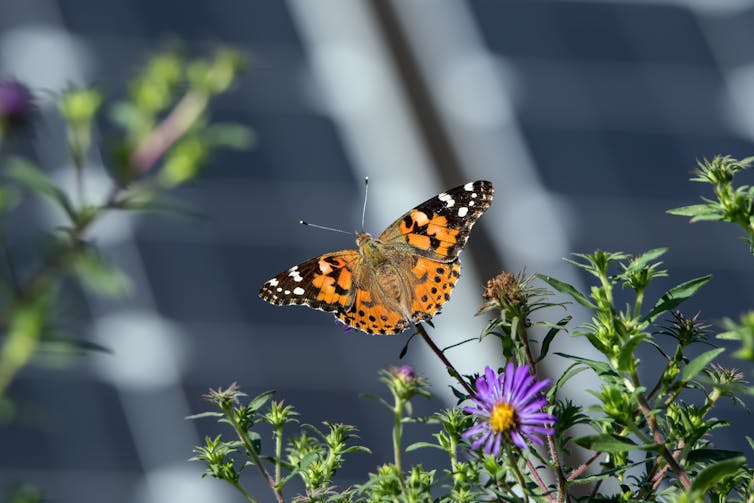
(36, 180)
(645, 258)
(99, 276)
(567, 289)
(422, 445)
(550, 336)
(612, 443)
(707, 455)
(710, 476)
(229, 134)
(626, 355)
(693, 210)
(202, 415)
(697, 364)
(259, 400)
(601, 368)
(675, 296)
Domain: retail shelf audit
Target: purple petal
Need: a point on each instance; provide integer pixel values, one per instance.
(479, 441)
(490, 443)
(518, 440)
(474, 430)
(496, 447)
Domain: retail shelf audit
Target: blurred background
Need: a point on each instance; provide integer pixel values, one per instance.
(588, 116)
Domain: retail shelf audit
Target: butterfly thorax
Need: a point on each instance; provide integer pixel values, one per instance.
(382, 272)
(371, 249)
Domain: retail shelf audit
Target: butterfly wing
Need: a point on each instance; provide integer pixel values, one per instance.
(325, 282)
(439, 227)
(372, 317)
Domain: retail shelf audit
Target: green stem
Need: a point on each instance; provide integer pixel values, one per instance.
(562, 481)
(513, 462)
(253, 454)
(657, 435)
(240, 489)
(278, 452)
(397, 434)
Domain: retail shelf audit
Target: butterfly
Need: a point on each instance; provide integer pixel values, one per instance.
(403, 276)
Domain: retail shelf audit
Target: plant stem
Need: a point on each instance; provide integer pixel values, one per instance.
(240, 489)
(562, 482)
(397, 434)
(253, 454)
(278, 452)
(657, 435)
(513, 461)
(184, 115)
(423, 332)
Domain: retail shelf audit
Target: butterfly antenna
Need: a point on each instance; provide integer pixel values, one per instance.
(323, 227)
(366, 193)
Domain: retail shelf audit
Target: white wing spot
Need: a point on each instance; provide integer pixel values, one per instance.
(287, 292)
(273, 282)
(471, 203)
(468, 187)
(462, 211)
(447, 199)
(295, 275)
(298, 290)
(280, 289)
(473, 195)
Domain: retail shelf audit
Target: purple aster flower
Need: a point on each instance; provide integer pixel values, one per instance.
(508, 405)
(16, 103)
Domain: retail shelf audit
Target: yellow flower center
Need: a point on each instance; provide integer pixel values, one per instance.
(502, 417)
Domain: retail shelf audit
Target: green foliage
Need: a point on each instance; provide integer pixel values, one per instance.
(731, 204)
(167, 138)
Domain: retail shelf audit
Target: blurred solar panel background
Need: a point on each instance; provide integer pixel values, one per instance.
(587, 115)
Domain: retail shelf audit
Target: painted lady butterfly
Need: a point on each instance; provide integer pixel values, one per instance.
(402, 277)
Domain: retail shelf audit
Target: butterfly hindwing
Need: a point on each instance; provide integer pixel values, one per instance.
(439, 227)
(372, 317)
(435, 281)
(325, 282)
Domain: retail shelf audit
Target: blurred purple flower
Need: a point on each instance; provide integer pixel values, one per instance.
(16, 104)
(508, 405)
(406, 372)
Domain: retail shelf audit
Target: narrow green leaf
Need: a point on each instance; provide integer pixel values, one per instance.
(99, 276)
(36, 180)
(697, 364)
(691, 210)
(202, 415)
(259, 400)
(601, 368)
(422, 445)
(710, 476)
(645, 258)
(675, 296)
(626, 355)
(550, 336)
(707, 455)
(606, 443)
(567, 289)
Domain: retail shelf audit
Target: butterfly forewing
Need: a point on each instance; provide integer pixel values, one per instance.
(325, 282)
(439, 227)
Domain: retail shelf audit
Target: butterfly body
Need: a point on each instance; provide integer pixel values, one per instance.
(403, 276)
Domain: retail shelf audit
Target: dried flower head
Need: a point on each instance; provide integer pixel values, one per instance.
(508, 406)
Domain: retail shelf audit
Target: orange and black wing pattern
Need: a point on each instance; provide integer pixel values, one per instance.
(325, 282)
(439, 227)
